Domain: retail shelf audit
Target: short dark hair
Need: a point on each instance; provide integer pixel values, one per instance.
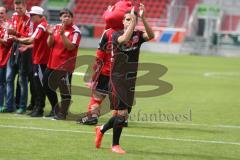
(20, 2)
(65, 11)
(40, 16)
(135, 13)
(129, 11)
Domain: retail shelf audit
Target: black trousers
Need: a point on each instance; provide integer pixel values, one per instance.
(40, 96)
(56, 79)
(32, 89)
(31, 83)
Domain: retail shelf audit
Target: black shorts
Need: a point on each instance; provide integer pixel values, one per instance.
(121, 99)
(102, 84)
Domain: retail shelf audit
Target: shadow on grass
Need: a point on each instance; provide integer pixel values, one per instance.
(133, 125)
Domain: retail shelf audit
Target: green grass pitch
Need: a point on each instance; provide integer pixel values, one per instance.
(205, 95)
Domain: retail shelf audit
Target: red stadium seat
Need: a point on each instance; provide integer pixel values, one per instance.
(230, 23)
(9, 3)
(191, 4)
(90, 9)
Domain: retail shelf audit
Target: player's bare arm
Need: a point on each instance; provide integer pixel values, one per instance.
(148, 34)
(129, 30)
(28, 40)
(50, 40)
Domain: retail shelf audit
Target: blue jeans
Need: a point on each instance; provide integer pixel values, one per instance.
(2, 85)
(12, 70)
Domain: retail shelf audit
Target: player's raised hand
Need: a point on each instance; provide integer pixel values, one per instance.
(50, 29)
(133, 17)
(110, 8)
(141, 10)
(132, 11)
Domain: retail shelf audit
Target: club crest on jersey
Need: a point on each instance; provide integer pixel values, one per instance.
(135, 39)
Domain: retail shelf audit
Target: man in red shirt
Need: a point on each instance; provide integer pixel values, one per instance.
(63, 40)
(5, 46)
(40, 56)
(19, 63)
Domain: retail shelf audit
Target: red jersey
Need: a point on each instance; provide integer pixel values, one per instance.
(40, 48)
(104, 50)
(61, 58)
(5, 48)
(22, 24)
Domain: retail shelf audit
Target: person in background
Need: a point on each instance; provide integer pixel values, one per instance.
(18, 62)
(63, 40)
(5, 46)
(40, 56)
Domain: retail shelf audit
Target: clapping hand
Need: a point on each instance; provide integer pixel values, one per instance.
(141, 10)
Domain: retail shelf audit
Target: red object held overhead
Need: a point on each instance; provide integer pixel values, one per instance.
(113, 16)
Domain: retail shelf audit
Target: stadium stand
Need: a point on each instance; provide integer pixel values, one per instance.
(91, 11)
(230, 22)
(191, 4)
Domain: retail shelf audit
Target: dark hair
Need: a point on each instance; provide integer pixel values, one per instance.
(65, 11)
(135, 13)
(20, 2)
(40, 16)
(129, 11)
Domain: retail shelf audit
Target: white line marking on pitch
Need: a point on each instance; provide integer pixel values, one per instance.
(221, 74)
(141, 122)
(188, 124)
(79, 73)
(125, 135)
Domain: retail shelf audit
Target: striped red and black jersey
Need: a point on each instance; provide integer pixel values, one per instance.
(104, 50)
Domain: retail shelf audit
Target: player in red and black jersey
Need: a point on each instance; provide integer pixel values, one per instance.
(113, 17)
(100, 79)
(124, 66)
